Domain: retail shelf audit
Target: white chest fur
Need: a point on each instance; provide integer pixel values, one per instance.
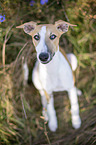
(56, 75)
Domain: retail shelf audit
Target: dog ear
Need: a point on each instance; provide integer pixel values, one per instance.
(62, 26)
(28, 27)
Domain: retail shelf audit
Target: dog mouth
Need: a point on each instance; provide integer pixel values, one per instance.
(45, 57)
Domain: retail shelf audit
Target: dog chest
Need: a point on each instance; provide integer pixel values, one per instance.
(56, 75)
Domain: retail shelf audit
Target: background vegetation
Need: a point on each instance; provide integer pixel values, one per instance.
(20, 104)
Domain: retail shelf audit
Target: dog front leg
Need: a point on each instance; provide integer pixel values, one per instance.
(48, 111)
(52, 115)
(76, 121)
(44, 104)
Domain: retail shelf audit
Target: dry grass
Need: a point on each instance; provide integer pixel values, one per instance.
(26, 108)
(20, 104)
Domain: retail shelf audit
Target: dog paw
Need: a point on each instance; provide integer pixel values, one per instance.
(76, 122)
(53, 124)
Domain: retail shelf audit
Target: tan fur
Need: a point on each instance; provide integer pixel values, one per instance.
(50, 29)
(64, 54)
(50, 43)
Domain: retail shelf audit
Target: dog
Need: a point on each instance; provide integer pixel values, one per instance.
(53, 70)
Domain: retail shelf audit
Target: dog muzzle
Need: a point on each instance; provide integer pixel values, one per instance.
(45, 57)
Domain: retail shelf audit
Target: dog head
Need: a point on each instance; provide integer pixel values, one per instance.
(46, 38)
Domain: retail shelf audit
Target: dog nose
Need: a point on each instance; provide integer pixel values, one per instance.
(43, 56)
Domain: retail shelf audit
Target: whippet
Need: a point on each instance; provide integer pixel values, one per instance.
(53, 70)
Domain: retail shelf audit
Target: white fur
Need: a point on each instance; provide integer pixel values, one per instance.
(73, 60)
(52, 77)
(76, 121)
(26, 71)
(49, 111)
(52, 115)
(44, 103)
(56, 75)
(41, 47)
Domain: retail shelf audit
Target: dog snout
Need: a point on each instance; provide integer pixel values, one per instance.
(44, 56)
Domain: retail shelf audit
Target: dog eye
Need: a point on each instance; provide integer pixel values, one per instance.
(53, 36)
(37, 37)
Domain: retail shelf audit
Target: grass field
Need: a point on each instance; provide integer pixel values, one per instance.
(21, 121)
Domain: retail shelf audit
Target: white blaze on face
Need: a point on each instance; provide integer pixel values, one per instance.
(41, 47)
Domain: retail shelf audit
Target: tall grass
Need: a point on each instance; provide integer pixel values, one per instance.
(20, 104)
